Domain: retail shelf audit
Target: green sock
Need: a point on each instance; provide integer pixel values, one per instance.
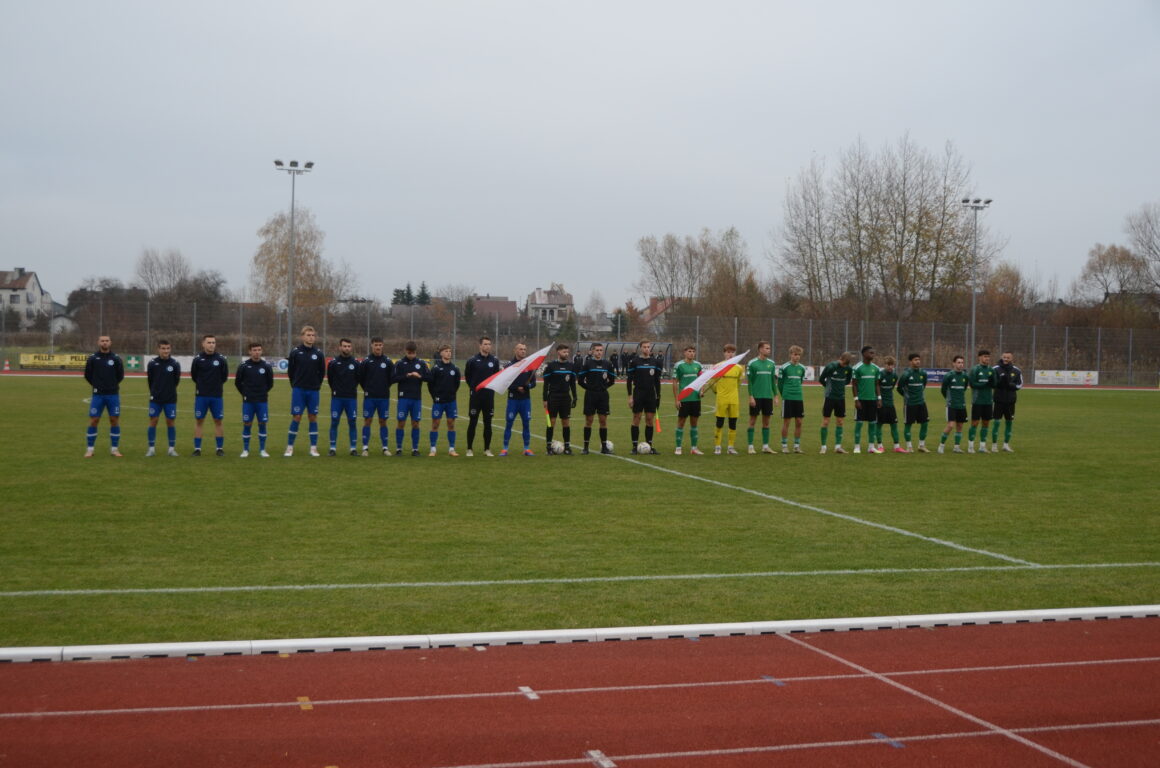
(858, 434)
(825, 433)
(693, 436)
(838, 435)
(905, 431)
(785, 441)
(894, 433)
(922, 428)
(679, 434)
(958, 438)
(971, 434)
(1008, 426)
(749, 432)
(797, 440)
(943, 440)
(765, 435)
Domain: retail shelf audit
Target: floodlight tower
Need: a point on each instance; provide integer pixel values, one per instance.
(294, 172)
(976, 205)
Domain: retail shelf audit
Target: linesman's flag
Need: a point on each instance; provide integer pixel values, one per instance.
(710, 373)
(501, 380)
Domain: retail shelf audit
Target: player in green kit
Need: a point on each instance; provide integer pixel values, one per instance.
(761, 374)
(887, 380)
(834, 377)
(982, 380)
(912, 386)
(954, 389)
(867, 398)
(690, 408)
(790, 377)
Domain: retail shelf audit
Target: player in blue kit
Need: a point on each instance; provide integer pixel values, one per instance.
(410, 374)
(209, 372)
(104, 372)
(305, 368)
(342, 376)
(254, 380)
(163, 374)
(374, 376)
(519, 403)
(444, 386)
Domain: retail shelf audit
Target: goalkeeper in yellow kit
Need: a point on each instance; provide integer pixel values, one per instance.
(728, 388)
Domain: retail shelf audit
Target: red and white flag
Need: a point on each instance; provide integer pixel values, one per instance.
(501, 380)
(710, 373)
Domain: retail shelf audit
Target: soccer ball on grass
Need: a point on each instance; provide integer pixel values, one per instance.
(643, 448)
(556, 447)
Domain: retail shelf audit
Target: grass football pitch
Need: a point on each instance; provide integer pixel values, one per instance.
(155, 550)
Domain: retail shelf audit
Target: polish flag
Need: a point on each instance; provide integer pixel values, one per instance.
(711, 372)
(501, 380)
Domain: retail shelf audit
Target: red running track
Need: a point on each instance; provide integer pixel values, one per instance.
(1068, 693)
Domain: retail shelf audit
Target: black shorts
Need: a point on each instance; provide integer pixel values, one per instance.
(868, 411)
(916, 414)
(689, 409)
(887, 415)
(982, 412)
(482, 401)
(644, 404)
(793, 409)
(957, 415)
(596, 403)
(834, 408)
(763, 405)
(1004, 411)
(559, 409)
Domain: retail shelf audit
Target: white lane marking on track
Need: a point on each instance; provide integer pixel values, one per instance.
(998, 729)
(816, 745)
(822, 511)
(599, 759)
(572, 580)
(761, 681)
(532, 695)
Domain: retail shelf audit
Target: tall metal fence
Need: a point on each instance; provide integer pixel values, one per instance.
(1121, 356)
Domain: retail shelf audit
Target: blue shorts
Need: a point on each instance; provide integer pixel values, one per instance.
(260, 410)
(380, 406)
(450, 410)
(99, 403)
(409, 407)
(343, 405)
(214, 406)
(303, 401)
(156, 409)
(521, 408)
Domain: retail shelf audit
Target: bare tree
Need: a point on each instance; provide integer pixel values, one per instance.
(672, 268)
(1144, 230)
(162, 273)
(1110, 274)
(317, 281)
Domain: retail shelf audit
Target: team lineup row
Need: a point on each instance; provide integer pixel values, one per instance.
(770, 386)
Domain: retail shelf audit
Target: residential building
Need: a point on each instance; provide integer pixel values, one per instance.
(551, 306)
(21, 290)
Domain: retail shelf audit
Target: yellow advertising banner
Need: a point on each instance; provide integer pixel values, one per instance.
(53, 362)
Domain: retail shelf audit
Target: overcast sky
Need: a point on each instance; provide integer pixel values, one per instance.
(508, 145)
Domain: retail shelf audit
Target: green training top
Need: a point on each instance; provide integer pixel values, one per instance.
(888, 379)
(835, 377)
(954, 389)
(760, 374)
(684, 373)
(982, 381)
(789, 380)
(866, 381)
(912, 385)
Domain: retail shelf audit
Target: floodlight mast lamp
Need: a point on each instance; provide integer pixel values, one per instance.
(977, 204)
(294, 172)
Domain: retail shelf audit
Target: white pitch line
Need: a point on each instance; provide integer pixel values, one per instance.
(839, 515)
(998, 729)
(534, 695)
(567, 580)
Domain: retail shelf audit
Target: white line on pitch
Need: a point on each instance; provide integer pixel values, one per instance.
(573, 580)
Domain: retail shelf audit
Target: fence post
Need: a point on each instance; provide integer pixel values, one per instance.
(696, 335)
(148, 325)
(241, 328)
(1034, 330)
(898, 342)
(1066, 347)
(932, 363)
(1099, 348)
(1130, 380)
(194, 339)
(846, 342)
(773, 333)
(735, 330)
(810, 344)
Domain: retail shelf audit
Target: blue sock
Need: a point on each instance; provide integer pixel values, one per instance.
(197, 443)
(262, 437)
(398, 439)
(114, 436)
(366, 436)
(314, 434)
(383, 436)
(293, 434)
(246, 430)
(434, 437)
(152, 434)
(219, 442)
(91, 436)
(171, 433)
(333, 432)
(352, 432)
(414, 438)
(451, 439)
